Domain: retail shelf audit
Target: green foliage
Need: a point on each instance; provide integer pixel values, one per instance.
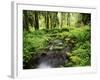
(68, 64)
(80, 57)
(80, 34)
(75, 60)
(81, 51)
(76, 38)
(33, 42)
(42, 28)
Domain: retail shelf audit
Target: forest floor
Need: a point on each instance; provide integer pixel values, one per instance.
(66, 47)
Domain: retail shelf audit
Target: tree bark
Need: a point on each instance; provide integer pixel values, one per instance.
(25, 20)
(36, 24)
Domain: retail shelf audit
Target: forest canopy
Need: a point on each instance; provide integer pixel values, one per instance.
(60, 39)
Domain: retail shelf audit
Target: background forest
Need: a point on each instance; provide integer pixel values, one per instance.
(56, 39)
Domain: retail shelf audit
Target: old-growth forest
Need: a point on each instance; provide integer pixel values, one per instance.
(56, 39)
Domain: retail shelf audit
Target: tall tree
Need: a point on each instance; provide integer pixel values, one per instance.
(36, 20)
(61, 20)
(25, 20)
(56, 20)
(47, 19)
(68, 19)
(53, 19)
(86, 18)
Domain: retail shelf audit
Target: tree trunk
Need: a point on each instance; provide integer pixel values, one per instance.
(47, 20)
(86, 18)
(68, 19)
(25, 20)
(36, 24)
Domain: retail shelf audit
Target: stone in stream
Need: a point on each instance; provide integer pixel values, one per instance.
(56, 44)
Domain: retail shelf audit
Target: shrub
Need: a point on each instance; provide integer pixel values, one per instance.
(80, 34)
(83, 55)
(33, 42)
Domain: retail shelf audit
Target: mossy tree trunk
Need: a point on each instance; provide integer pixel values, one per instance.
(36, 21)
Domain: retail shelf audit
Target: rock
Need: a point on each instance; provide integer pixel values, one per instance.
(58, 42)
